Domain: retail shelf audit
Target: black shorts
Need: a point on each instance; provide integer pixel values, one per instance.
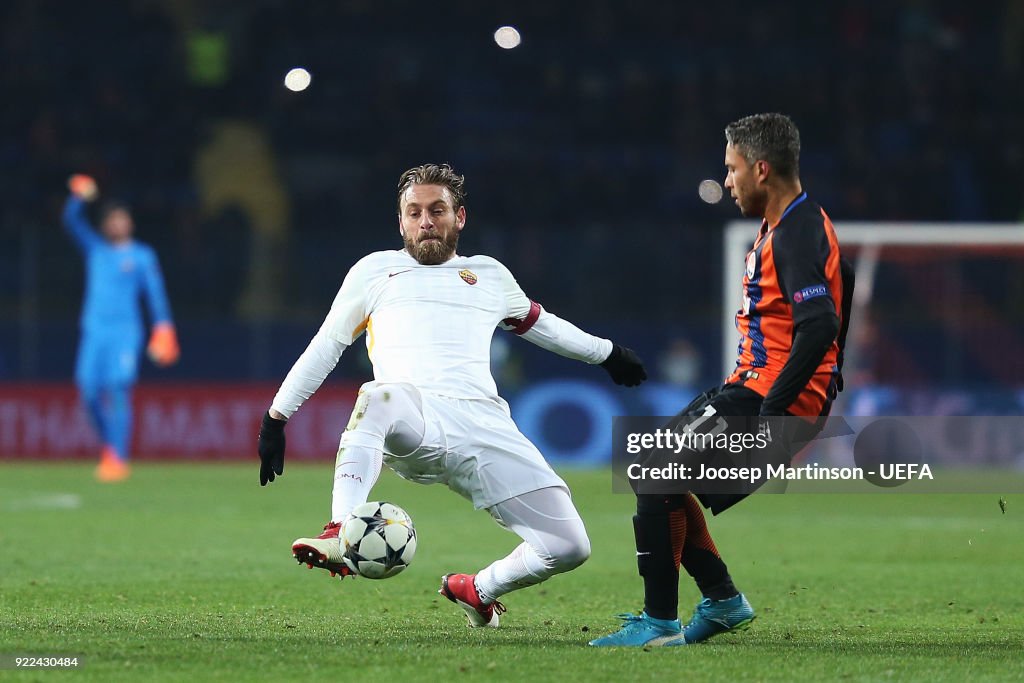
(734, 400)
(743, 406)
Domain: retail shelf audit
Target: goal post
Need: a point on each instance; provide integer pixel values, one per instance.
(866, 241)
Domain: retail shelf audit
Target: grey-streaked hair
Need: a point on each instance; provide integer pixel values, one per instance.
(770, 137)
(433, 174)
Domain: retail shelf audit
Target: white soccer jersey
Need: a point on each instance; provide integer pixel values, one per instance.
(430, 326)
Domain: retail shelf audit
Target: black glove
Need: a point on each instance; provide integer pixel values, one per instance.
(770, 422)
(271, 448)
(624, 366)
(765, 426)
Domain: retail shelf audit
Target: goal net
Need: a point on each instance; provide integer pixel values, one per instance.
(937, 326)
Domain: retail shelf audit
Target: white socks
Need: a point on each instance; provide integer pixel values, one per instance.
(521, 568)
(355, 472)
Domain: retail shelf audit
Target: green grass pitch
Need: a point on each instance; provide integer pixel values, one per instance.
(184, 573)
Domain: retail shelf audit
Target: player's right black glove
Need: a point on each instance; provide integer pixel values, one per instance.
(624, 366)
(271, 448)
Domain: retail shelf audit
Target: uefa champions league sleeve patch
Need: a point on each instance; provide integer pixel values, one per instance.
(810, 292)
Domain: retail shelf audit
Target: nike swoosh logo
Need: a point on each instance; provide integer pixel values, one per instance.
(399, 272)
(639, 554)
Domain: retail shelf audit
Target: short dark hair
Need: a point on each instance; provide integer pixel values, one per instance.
(770, 137)
(433, 174)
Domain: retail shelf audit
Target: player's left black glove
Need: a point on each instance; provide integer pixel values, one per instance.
(770, 423)
(764, 428)
(624, 366)
(780, 436)
(271, 448)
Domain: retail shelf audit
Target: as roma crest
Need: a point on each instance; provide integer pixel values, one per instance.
(468, 276)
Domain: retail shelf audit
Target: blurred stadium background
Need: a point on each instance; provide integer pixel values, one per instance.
(583, 148)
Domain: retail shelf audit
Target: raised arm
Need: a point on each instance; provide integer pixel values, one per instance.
(77, 225)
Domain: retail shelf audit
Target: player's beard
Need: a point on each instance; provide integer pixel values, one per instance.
(432, 252)
(753, 204)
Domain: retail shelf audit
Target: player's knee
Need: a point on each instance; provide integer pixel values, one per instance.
(570, 553)
(578, 553)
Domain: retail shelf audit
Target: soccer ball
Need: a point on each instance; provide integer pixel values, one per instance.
(378, 540)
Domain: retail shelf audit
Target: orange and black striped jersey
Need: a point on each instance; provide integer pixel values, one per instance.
(792, 275)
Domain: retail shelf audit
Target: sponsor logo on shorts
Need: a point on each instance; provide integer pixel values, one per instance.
(468, 276)
(810, 293)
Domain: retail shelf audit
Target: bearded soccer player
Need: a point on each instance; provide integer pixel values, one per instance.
(792, 326)
(118, 272)
(432, 412)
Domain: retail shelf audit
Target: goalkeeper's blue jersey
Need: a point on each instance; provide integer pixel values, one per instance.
(117, 276)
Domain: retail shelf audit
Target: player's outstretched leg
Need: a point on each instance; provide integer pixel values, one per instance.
(384, 415)
(554, 541)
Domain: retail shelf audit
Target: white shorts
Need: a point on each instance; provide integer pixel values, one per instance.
(474, 447)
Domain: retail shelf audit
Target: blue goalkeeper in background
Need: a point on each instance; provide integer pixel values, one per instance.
(118, 273)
